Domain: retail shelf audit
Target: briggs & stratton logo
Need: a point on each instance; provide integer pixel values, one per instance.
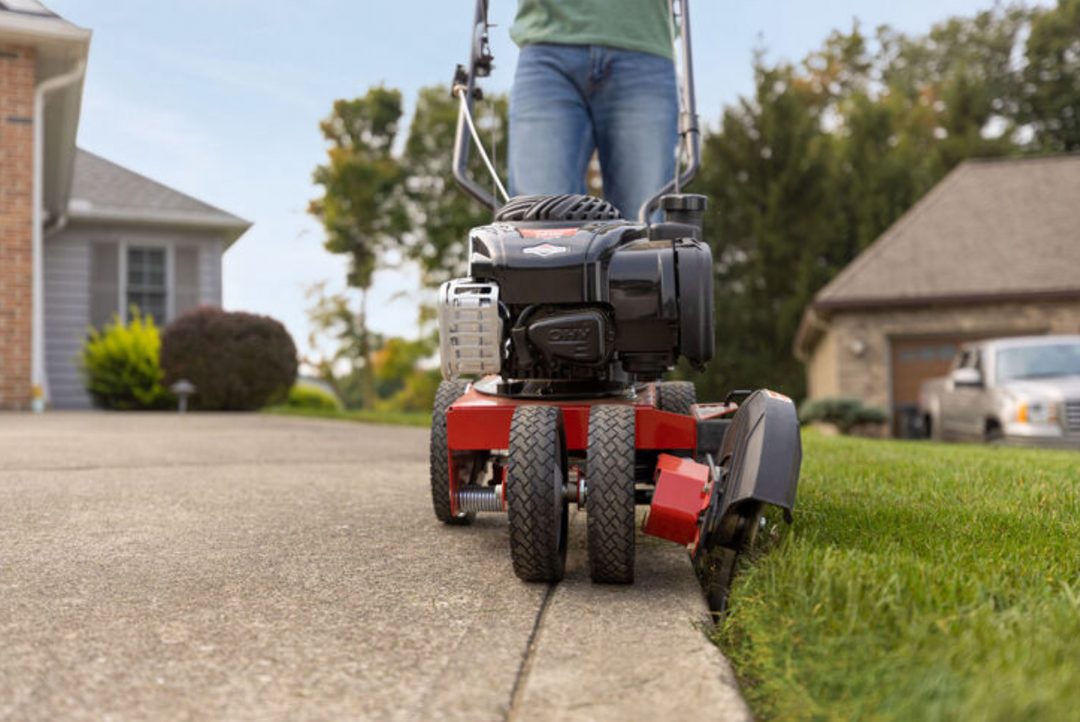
(545, 249)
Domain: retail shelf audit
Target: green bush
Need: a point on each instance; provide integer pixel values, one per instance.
(309, 396)
(237, 361)
(417, 394)
(120, 368)
(844, 412)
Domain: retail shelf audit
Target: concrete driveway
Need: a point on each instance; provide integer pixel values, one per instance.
(252, 567)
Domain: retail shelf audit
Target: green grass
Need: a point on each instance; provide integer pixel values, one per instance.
(395, 418)
(919, 582)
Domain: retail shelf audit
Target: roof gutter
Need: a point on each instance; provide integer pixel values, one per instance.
(39, 379)
(232, 227)
(953, 299)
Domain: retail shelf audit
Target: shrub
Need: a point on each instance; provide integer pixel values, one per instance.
(237, 361)
(418, 393)
(842, 411)
(120, 368)
(309, 396)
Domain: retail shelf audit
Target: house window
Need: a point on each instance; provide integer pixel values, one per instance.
(147, 288)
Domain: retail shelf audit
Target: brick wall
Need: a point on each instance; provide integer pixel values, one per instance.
(16, 245)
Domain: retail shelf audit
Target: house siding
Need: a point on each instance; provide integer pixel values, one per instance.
(68, 289)
(211, 252)
(67, 317)
(823, 378)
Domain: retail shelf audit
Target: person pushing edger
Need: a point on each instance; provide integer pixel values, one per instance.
(554, 347)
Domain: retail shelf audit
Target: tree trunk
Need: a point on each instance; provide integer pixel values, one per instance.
(365, 353)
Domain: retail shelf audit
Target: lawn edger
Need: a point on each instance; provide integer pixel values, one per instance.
(567, 322)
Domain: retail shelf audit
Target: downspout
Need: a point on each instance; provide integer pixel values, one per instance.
(39, 380)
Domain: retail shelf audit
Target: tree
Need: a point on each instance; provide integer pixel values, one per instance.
(442, 216)
(1051, 79)
(828, 154)
(362, 207)
(332, 315)
(768, 172)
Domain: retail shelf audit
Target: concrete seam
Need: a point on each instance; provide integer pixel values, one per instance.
(518, 691)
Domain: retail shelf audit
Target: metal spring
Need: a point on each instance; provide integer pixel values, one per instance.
(480, 498)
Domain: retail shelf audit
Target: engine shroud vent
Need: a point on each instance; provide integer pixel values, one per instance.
(567, 207)
(470, 329)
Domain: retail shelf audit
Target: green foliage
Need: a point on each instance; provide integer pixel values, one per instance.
(443, 216)
(335, 316)
(843, 412)
(237, 361)
(363, 207)
(769, 173)
(309, 396)
(1050, 99)
(826, 155)
(397, 360)
(416, 394)
(120, 365)
(920, 582)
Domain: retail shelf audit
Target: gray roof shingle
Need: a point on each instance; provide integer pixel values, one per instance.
(990, 228)
(101, 188)
(26, 7)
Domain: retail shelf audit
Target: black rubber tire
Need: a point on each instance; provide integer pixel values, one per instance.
(610, 498)
(439, 458)
(535, 501)
(676, 397)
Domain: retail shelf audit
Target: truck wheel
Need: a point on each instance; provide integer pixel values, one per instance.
(610, 499)
(676, 397)
(535, 501)
(447, 394)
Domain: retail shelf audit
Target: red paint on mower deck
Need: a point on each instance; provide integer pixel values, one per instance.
(681, 495)
(477, 422)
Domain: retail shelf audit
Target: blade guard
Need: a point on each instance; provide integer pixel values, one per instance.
(762, 453)
(758, 462)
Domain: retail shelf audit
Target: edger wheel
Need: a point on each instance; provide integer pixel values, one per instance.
(447, 394)
(610, 499)
(717, 567)
(535, 501)
(676, 396)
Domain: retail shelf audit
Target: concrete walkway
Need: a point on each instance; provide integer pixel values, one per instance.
(251, 567)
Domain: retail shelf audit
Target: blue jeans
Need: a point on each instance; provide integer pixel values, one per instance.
(569, 100)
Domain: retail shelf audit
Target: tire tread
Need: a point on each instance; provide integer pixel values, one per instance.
(438, 455)
(676, 397)
(536, 549)
(610, 503)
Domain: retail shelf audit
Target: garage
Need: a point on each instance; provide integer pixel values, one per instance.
(914, 361)
(992, 251)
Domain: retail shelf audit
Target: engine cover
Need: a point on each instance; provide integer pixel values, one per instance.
(587, 295)
(576, 338)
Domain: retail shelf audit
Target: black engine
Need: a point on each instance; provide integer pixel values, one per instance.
(564, 292)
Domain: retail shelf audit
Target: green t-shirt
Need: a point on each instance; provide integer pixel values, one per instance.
(643, 25)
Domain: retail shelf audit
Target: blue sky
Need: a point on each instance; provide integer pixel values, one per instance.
(221, 99)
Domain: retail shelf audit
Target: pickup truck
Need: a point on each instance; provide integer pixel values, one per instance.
(1022, 391)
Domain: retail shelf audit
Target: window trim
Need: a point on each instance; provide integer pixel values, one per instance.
(170, 286)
